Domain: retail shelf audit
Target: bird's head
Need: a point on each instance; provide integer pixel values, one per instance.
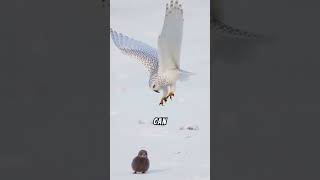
(143, 154)
(154, 85)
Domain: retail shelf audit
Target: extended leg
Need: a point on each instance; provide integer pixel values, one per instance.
(171, 91)
(164, 97)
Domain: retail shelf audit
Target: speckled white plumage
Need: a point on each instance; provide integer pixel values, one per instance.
(163, 63)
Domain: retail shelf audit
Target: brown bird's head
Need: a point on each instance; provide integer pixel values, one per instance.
(143, 154)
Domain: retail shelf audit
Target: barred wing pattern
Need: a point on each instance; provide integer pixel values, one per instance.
(146, 54)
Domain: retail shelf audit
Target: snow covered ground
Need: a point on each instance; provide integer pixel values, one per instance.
(175, 152)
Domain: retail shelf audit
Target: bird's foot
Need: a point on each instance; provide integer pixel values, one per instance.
(143, 172)
(170, 95)
(135, 172)
(163, 99)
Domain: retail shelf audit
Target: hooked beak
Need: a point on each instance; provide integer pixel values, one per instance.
(156, 91)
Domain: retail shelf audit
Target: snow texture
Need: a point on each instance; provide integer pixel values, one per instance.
(174, 154)
(190, 127)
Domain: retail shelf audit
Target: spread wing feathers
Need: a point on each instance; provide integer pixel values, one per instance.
(169, 42)
(146, 54)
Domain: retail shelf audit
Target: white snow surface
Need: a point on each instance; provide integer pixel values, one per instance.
(173, 154)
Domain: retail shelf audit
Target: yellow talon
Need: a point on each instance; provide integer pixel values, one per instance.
(164, 99)
(170, 95)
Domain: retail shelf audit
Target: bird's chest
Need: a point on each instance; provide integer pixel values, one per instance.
(165, 80)
(141, 164)
(168, 78)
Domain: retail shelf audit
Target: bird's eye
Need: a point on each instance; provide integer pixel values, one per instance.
(154, 86)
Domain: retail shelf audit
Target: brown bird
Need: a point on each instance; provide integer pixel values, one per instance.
(141, 162)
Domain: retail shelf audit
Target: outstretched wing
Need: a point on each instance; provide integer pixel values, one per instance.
(170, 39)
(146, 54)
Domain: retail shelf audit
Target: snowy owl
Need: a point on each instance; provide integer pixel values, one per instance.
(163, 64)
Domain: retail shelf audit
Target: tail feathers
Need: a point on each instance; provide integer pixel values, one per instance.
(184, 75)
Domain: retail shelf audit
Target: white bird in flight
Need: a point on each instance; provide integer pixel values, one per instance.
(163, 64)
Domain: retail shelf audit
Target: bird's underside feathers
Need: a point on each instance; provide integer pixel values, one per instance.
(146, 54)
(170, 39)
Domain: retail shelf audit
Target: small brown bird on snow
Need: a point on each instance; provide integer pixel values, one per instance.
(141, 162)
